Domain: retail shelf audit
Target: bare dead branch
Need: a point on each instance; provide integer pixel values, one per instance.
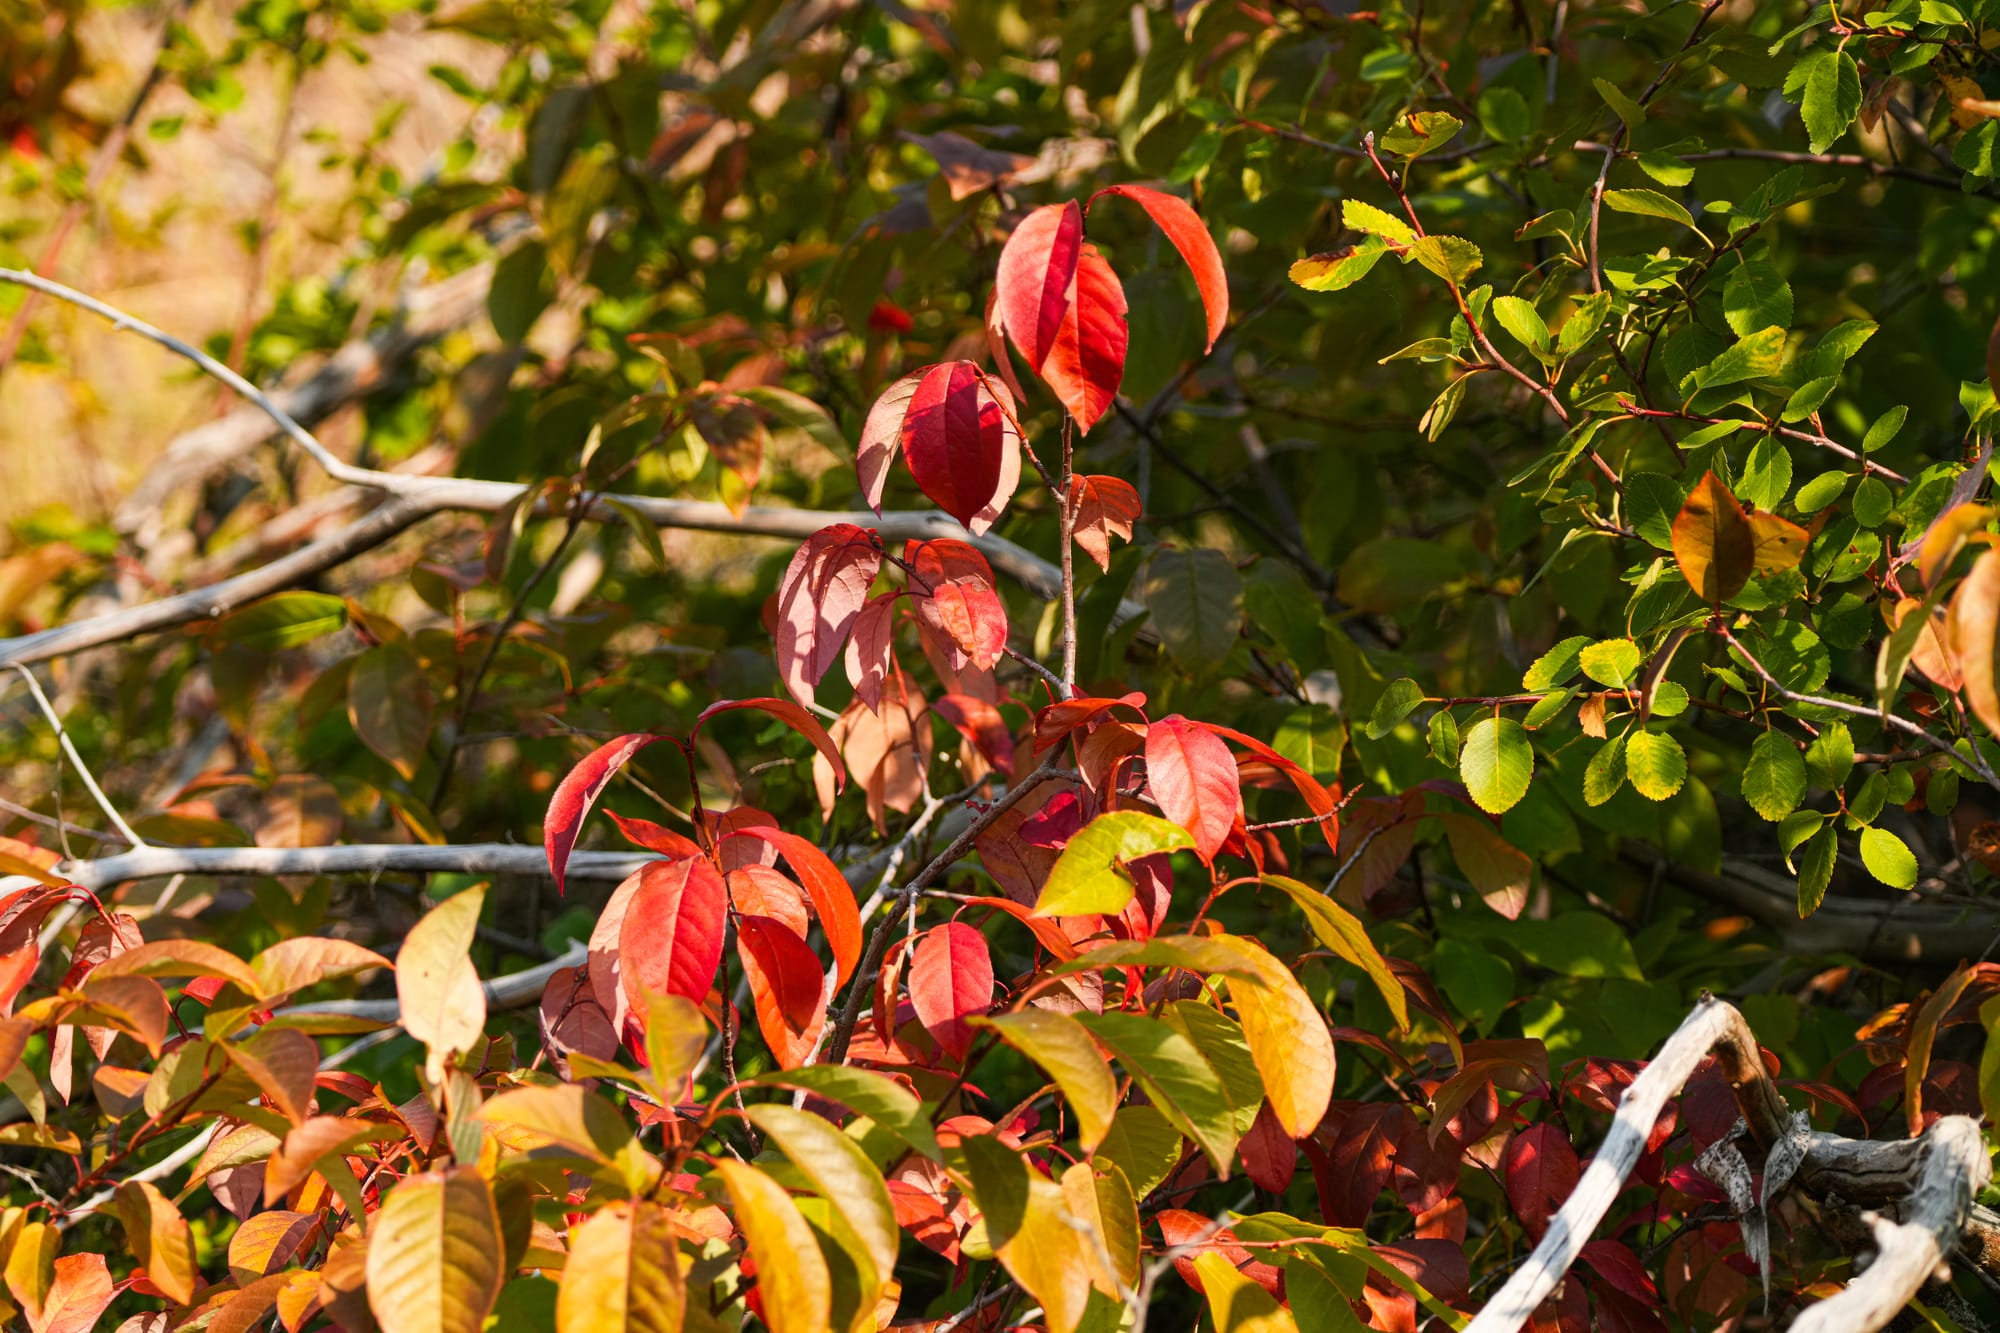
(1933, 1179)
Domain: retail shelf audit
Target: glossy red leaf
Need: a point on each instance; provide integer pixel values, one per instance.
(953, 591)
(1036, 279)
(670, 941)
(1192, 777)
(1183, 227)
(787, 988)
(1100, 508)
(821, 594)
(654, 837)
(870, 651)
(954, 439)
(832, 896)
(1088, 360)
(793, 716)
(1541, 1170)
(881, 434)
(578, 791)
(951, 979)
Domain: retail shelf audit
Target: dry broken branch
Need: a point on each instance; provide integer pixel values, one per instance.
(1932, 1179)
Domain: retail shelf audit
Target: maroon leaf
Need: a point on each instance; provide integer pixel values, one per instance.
(578, 790)
(1617, 1265)
(1088, 360)
(1036, 278)
(1183, 227)
(793, 716)
(1269, 1154)
(670, 941)
(951, 978)
(954, 439)
(981, 724)
(952, 588)
(822, 592)
(1101, 507)
(1361, 1158)
(1541, 1170)
(1192, 776)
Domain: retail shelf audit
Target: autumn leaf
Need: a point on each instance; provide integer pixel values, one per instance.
(1714, 542)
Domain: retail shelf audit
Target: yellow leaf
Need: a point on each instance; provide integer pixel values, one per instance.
(797, 1291)
(443, 1004)
(1288, 1039)
(1947, 536)
(158, 1237)
(31, 1265)
(1098, 1195)
(1237, 1304)
(1777, 544)
(434, 1254)
(1713, 542)
(1975, 614)
(565, 1115)
(623, 1273)
(1064, 1048)
(1045, 1255)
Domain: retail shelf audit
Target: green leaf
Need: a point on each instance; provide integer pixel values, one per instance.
(1888, 858)
(1497, 763)
(1766, 475)
(843, 1175)
(1613, 662)
(1754, 356)
(1396, 703)
(1420, 131)
(1655, 763)
(1774, 779)
(1830, 757)
(1556, 665)
(1583, 323)
(1827, 85)
(1338, 269)
(389, 706)
(1816, 870)
(1524, 324)
(864, 1091)
(1885, 428)
(1442, 736)
(1648, 203)
(1195, 600)
(284, 621)
(1756, 297)
(1576, 944)
(1627, 109)
(1176, 1078)
(1143, 1144)
(1090, 876)
(1652, 499)
(1452, 258)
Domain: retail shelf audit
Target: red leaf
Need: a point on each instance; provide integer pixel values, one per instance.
(870, 655)
(1088, 359)
(1318, 798)
(952, 586)
(1045, 930)
(78, 1296)
(671, 938)
(880, 434)
(981, 724)
(822, 592)
(832, 896)
(1184, 228)
(1361, 1158)
(793, 716)
(953, 439)
(1617, 1265)
(1058, 720)
(1100, 507)
(1541, 1171)
(1036, 279)
(1193, 778)
(578, 790)
(787, 987)
(951, 977)
(654, 838)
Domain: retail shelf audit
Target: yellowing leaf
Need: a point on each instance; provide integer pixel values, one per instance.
(31, 1265)
(1237, 1304)
(435, 1253)
(566, 1115)
(1099, 1196)
(1713, 542)
(1776, 544)
(844, 1176)
(1342, 932)
(1045, 1255)
(180, 958)
(1090, 874)
(1975, 613)
(443, 1004)
(623, 1273)
(796, 1290)
(158, 1237)
(1062, 1047)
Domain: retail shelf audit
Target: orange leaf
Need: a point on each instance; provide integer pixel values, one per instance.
(1713, 542)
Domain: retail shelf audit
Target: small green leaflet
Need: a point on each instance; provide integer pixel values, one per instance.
(1888, 858)
(1452, 258)
(1816, 871)
(1774, 779)
(1364, 217)
(1648, 203)
(1656, 764)
(1497, 763)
